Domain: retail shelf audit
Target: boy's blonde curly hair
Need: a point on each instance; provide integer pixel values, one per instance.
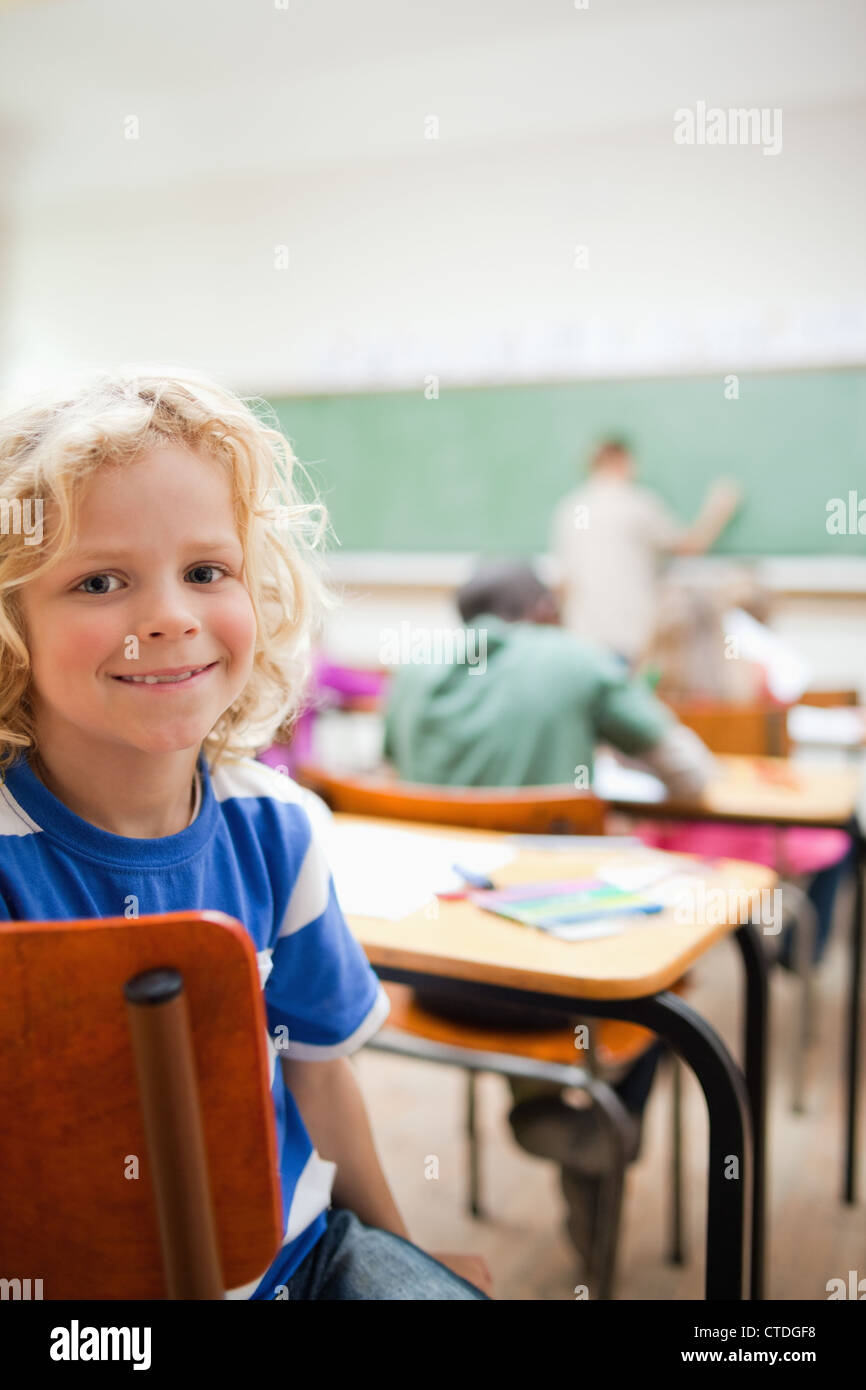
(50, 447)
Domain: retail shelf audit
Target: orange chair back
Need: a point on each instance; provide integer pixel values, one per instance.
(549, 810)
(754, 730)
(72, 1211)
(830, 699)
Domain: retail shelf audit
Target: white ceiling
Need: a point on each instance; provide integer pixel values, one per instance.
(235, 86)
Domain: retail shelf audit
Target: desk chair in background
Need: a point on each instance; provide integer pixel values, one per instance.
(760, 729)
(830, 699)
(416, 1028)
(135, 1042)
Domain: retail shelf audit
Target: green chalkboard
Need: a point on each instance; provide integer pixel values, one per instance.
(480, 469)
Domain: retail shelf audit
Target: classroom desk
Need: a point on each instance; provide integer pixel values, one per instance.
(776, 791)
(629, 976)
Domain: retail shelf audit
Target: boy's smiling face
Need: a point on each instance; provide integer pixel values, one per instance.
(156, 558)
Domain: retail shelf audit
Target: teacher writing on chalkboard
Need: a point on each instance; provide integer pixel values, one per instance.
(608, 538)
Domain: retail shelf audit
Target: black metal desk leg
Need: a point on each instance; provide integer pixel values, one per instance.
(756, 1026)
(854, 983)
(729, 1197)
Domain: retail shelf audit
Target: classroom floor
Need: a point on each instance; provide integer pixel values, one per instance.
(417, 1110)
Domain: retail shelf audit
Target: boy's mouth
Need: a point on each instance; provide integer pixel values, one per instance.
(168, 678)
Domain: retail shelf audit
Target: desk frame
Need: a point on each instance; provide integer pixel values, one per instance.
(736, 1104)
(670, 810)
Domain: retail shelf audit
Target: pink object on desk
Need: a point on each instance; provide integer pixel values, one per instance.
(795, 849)
(349, 680)
(331, 686)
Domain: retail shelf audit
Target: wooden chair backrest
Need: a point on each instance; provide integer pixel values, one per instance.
(754, 730)
(830, 699)
(548, 810)
(71, 1213)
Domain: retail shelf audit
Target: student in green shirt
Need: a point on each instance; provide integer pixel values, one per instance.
(530, 701)
(517, 700)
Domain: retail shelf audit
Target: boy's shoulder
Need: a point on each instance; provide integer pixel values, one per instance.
(557, 642)
(14, 820)
(246, 778)
(566, 663)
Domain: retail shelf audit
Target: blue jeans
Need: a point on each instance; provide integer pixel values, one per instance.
(352, 1261)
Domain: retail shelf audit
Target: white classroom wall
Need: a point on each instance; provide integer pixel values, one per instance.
(297, 133)
(258, 128)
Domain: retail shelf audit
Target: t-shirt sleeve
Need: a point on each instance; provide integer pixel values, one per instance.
(322, 997)
(562, 536)
(660, 527)
(627, 714)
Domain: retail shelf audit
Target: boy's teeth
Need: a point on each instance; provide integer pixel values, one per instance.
(155, 680)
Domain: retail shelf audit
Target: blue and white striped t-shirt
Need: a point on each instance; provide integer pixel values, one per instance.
(251, 850)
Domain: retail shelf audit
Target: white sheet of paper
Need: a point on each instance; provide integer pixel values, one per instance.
(613, 782)
(836, 728)
(588, 931)
(787, 673)
(632, 878)
(679, 888)
(380, 872)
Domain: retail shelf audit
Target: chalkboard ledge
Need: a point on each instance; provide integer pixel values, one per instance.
(792, 575)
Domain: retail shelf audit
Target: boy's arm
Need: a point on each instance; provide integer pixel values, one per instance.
(681, 760)
(632, 720)
(333, 1110)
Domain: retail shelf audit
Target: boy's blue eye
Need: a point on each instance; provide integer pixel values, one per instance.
(104, 579)
(94, 578)
(218, 569)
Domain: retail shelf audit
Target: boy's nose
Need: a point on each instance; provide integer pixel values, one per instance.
(169, 616)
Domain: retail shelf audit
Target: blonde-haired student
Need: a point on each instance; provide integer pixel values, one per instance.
(160, 581)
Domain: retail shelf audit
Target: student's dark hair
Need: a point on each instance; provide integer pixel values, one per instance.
(614, 444)
(509, 589)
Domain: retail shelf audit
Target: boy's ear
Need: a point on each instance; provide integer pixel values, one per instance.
(545, 610)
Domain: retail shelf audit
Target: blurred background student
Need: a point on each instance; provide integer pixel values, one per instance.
(534, 717)
(536, 714)
(608, 539)
(711, 642)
